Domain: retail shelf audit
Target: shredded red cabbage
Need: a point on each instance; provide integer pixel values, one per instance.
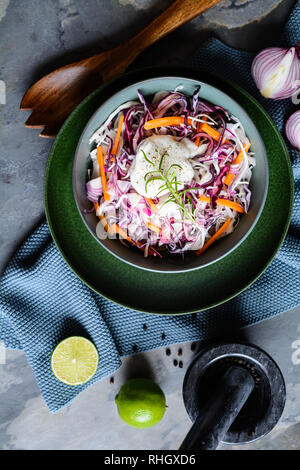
(178, 221)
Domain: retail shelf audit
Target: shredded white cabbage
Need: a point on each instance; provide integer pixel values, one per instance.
(182, 216)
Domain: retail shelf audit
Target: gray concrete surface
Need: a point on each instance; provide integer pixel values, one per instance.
(35, 37)
(92, 422)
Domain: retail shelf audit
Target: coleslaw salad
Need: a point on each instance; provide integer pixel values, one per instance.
(170, 174)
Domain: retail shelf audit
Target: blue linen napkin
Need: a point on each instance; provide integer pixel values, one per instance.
(42, 301)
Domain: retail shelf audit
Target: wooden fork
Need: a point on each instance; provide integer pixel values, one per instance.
(55, 96)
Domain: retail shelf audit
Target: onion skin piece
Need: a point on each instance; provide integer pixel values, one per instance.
(267, 67)
(292, 130)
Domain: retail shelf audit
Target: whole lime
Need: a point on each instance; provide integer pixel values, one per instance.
(141, 403)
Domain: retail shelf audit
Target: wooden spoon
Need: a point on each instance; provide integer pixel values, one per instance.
(55, 96)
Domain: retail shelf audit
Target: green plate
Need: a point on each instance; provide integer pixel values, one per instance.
(258, 184)
(166, 293)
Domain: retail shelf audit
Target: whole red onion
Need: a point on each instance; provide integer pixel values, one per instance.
(292, 129)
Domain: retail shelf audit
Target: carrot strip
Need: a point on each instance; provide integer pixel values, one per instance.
(176, 121)
(233, 205)
(114, 228)
(203, 127)
(153, 227)
(237, 161)
(224, 202)
(165, 121)
(102, 172)
(107, 227)
(214, 237)
(117, 139)
(123, 234)
(199, 128)
(103, 220)
(151, 204)
(209, 130)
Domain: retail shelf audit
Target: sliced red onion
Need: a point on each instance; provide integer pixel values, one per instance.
(168, 102)
(292, 129)
(276, 72)
(247, 198)
(123, 185)
(194, 100)
(143, 101)
(94, 189)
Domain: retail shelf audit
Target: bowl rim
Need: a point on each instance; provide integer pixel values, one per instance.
(265, 161)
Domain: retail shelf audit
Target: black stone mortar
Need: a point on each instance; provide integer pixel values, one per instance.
(234, 394)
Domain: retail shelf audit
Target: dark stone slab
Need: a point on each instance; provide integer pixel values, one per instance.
(61, 31)
(37, 36)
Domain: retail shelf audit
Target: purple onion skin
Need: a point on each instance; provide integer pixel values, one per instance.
(269, 59)
(292, 130)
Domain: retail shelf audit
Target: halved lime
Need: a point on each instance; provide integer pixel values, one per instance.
(74, 361)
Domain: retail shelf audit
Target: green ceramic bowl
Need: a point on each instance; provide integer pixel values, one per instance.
(258, 184)
(163, 292)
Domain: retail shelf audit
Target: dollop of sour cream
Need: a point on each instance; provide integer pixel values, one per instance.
(176, 153)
